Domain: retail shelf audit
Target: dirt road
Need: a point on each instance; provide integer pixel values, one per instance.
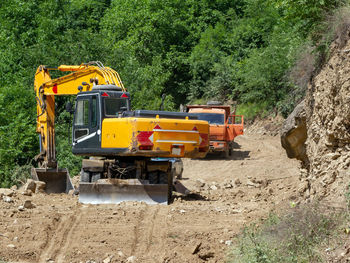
(199, 228)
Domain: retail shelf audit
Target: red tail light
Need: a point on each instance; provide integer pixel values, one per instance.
(145, 147)
(104, 94)
(157, 127)
(124, 96)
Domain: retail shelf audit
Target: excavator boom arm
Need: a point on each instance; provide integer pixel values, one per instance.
(82, 78)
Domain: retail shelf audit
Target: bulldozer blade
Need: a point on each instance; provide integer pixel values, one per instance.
(115, 191)
(57, 180)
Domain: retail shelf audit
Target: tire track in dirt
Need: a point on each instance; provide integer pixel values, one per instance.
(157, 235)
(57, 245)
(151, 230)
(137, 230)
(68, 236)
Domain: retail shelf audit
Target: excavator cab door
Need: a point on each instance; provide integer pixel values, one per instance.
(86, 125)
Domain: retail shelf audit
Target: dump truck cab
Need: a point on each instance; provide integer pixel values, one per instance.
(224, 126)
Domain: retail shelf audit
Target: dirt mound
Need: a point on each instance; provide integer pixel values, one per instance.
(266, 126)
(327, 106)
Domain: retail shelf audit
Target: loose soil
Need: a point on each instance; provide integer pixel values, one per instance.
(226, 195)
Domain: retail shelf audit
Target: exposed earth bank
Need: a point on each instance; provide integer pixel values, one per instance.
(318, 131)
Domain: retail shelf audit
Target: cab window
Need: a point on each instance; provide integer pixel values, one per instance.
(82, 113)
(93, 111)
(112, 106)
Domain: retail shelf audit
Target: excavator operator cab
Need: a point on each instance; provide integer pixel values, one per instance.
(91, 108)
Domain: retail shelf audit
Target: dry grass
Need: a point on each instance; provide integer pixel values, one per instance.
(292, 237)
(304, 67)
(340, 26)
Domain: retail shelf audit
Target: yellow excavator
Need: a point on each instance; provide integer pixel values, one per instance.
(128, 150)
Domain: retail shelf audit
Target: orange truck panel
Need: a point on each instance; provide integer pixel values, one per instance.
(223, 126)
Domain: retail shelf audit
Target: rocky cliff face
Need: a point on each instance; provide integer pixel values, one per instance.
(327, 107)
(325, 151)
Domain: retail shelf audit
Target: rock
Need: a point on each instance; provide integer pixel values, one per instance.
(121, 254)
(7, 199)
(195, 248)
(199, 183)
(294, 134)
(265, 182)
(11, 246)
(71, 192)
(28, 204)
(251, 184)
(213, 187)
(303, 187)
(206, 255)
(6, 192)
(131, 259)
(14, 187)
(30, 185)
(228, 242)
(332, 156)
(237, 182)
(182, 211)
(27, 192)
(21, 208)
(40, 186)
(108, 259)
(227, 185)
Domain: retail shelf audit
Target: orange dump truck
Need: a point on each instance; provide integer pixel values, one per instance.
(224, 127)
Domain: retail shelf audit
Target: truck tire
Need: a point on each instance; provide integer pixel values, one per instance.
(163, 178)
(170, 187)
(95, 177)
(153, 177)
(226, 154)
(84, 176)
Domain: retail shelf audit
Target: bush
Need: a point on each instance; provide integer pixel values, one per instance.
(250, 111)
(19, 142)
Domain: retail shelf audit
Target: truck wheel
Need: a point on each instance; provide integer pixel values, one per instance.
(84, 176)
(153, 177)
(95, 177)
(170, 187)
(226, 154)
(163, 177)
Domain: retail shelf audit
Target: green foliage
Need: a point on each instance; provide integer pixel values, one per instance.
(239, 50)
(289, 238)
(252, 110)
(19, 142)
(65, 157)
